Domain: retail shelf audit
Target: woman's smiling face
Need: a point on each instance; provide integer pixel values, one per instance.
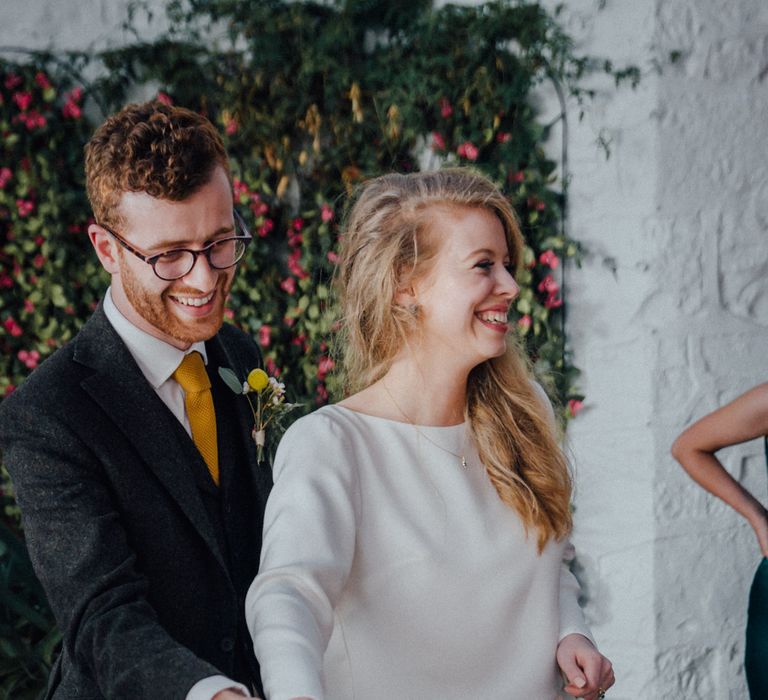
(465, 296)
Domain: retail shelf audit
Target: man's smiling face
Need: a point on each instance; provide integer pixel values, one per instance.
(191, 308)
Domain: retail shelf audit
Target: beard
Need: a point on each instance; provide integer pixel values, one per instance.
(159, 310)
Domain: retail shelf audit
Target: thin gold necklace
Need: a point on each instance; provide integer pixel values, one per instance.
(460, 456)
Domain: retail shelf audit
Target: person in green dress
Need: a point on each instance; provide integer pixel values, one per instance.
(745, 418)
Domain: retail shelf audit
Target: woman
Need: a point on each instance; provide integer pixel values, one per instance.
(743, 419)
(414, 538)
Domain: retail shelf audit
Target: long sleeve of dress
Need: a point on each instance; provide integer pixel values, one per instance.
(571, 615)
(309, 541)
(389, 570)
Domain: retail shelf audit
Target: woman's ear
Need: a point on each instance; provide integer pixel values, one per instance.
(406, 297)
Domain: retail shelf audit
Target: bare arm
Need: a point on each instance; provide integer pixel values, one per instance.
(745, 418)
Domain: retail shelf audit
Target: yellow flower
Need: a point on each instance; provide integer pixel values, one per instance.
(258, 379)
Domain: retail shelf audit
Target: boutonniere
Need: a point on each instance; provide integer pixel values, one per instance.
(266, 397)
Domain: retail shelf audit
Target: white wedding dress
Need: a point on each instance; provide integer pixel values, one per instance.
(389, 571)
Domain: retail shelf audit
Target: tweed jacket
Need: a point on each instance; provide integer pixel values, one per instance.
(144, 561)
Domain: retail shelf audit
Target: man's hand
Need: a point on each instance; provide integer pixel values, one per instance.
(586, 670)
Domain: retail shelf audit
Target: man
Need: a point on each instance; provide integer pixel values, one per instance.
(141, 496)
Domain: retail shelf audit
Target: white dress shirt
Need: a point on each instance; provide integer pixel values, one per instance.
(157, 361)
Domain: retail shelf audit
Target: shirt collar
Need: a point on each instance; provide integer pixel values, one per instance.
(156, 359)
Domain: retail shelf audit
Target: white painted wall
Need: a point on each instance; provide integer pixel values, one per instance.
(77, 25)
(680, 327)
(668, 317)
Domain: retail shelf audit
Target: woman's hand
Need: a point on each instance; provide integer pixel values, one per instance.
(586, 670)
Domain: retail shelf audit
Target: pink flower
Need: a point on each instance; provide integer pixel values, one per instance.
(294, 266)
(468, 150)
(438, 142)
(162, 98)
(33, 120)
(549, 258)
(42, 80)
(518, 177)
(231, 127)
(324, 365)
(333, 258)
(524, 322)
(5, 177)
(322, 394)
(29, 358)
(272, 369)
(265, 336)
(38, 261)
(6, 282)
(239, 188)
(548, 285)
(553, 301)
(39, 240)
(326, 214)
(23, 100)
(29, 306)
(69, 310)
(12, 327)
(71, 110)
(446, 110)
(288, 285)
(266, 227)
(297, 224)
(25, 207)
(535, 203)
(12, 80)
(574, 407)
(228, 313)
(76, 94)
(503, 137)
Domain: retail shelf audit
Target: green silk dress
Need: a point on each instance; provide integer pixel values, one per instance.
(756, 655)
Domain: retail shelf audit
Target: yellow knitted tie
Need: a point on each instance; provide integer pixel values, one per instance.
(192, 377)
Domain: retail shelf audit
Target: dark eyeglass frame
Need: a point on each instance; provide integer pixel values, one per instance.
(152, 259)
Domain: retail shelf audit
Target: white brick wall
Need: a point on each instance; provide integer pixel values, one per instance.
(668, 317)
(681, 207)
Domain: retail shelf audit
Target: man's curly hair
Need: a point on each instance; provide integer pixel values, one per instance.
(168, 152)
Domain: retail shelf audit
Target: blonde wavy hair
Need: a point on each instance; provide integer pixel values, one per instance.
(387, 243)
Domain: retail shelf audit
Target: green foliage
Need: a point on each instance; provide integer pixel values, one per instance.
(28, 638)
(316, 97)
(313, 97)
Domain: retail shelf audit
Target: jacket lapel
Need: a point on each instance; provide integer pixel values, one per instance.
(221, 356)
(120, 389)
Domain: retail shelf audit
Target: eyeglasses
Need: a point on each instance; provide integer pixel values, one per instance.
(174, 264)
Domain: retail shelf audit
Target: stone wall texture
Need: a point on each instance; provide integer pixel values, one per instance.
(668, 320)
(668, 316)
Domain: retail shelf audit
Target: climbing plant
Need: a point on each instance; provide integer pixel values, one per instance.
(312, 98)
